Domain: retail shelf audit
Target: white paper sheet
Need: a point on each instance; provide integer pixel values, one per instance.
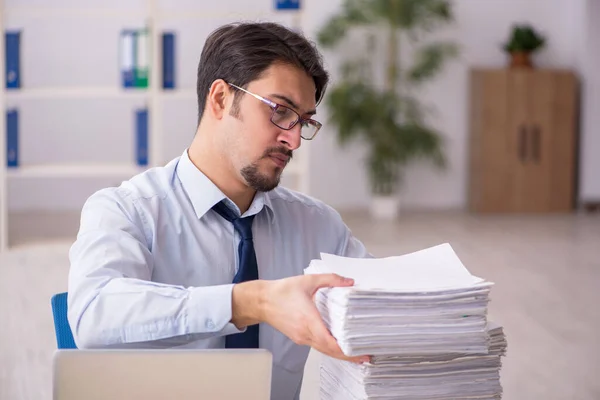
(423, 318)
(435, 268)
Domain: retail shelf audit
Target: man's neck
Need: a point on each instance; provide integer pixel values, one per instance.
(211, 165)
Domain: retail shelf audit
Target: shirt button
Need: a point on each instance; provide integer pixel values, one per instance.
(210, 324)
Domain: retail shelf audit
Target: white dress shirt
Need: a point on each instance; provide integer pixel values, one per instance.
(153, 265)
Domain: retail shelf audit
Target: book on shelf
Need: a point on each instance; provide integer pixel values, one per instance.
(287, 4)
(12, 49)
(168, 60)
(141, 137)
(142, 62)
(127, 51)
(12, 138)
(135, 57)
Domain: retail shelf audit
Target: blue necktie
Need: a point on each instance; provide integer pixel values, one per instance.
(247, 271)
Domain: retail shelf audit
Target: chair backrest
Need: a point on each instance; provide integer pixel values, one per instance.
(64, 336)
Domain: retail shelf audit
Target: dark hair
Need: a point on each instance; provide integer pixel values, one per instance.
(239, 53)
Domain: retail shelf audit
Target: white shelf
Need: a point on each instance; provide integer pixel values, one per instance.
(74, 171)
(53, 12)
(178, 94)
(76, 93)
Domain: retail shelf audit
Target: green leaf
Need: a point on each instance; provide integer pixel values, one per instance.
(430, 59)
(411, 14)
(354, 13)
(524, 38)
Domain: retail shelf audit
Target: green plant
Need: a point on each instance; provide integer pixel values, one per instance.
(390, 118)
(525, 39)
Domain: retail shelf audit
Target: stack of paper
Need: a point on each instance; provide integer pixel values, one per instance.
(422, 316)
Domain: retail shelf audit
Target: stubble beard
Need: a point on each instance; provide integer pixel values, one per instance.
(262, 182)
(257, 181)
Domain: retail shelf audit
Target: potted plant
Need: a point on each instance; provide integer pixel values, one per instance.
(388, 117)
(523, 41)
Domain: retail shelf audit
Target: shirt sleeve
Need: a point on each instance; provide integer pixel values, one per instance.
(354, 247)
(112, 300)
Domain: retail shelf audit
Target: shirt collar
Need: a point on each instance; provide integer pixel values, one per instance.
(204, 194)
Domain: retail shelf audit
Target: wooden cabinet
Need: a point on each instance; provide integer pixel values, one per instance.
(523, 131)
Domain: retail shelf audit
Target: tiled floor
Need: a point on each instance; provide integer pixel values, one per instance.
(546, 270)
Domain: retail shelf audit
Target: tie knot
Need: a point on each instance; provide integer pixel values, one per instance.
(242, 225)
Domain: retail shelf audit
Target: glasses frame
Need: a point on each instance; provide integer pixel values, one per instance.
(275, 106)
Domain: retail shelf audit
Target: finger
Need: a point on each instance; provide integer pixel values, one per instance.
(331, 280)
(326, 344)
(334, 350)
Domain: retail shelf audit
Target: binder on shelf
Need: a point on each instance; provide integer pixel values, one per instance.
(287, 4)
(127, 47)
(168, 60)
(142, 62)
(141, 137)
(12, 44)
(12, 138)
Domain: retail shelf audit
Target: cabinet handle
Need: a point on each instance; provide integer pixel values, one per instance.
(536, 139)
(522, 143)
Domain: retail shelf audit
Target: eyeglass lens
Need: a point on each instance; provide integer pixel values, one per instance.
(285, 118)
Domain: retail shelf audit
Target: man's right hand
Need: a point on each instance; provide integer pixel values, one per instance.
(288, 306)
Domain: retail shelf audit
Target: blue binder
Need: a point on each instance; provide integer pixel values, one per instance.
(287, 4)
(141, 70)
(168, 60)
(141, 135)
(127, 58)
(12, 42)
(12, 138)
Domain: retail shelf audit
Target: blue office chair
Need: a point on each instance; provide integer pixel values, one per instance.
(64, 336)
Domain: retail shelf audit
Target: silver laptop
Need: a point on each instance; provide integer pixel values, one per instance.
(162, 374)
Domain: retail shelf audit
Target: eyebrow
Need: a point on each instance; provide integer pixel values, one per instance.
(291, 103)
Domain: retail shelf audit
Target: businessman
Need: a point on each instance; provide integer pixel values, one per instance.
(208, 251)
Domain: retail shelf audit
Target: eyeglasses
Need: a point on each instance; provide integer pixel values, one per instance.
(286, 118)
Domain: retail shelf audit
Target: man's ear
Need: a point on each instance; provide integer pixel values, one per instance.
(218, 98)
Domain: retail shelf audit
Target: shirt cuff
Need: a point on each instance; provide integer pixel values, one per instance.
(209, 310)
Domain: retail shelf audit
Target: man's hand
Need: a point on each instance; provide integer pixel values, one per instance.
(289, 307)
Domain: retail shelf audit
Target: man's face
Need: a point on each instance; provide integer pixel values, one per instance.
(259, 149)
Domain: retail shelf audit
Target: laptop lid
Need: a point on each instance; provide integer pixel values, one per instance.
(162, 374)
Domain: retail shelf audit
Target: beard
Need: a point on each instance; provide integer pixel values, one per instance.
(262, 182)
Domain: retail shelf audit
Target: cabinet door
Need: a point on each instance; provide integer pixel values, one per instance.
(547, 175)
(533, 93)
(525, 194)
(491, 172)
(562, 138)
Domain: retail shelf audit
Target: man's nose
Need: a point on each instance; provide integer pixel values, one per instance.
(291, 138)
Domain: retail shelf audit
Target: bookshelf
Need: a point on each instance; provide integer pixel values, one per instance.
(164, 105)
(3, 167)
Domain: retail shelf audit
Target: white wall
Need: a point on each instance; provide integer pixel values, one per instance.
(481, 27)
(337, 175)
(589, 56)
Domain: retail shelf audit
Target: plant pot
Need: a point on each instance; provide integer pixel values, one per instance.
(520, 59)
(384, 207)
